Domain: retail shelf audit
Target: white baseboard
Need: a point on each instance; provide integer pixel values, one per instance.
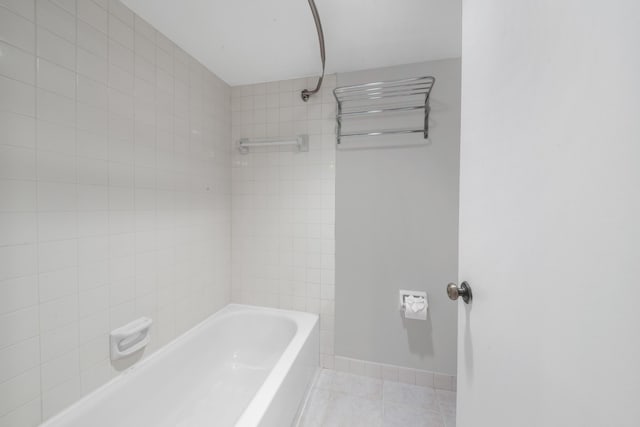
(391, 372)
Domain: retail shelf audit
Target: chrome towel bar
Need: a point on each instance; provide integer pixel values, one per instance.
(379, 110)
(301, 142)
(383, 132)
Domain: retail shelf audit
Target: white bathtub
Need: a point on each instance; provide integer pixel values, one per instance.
(244, 366)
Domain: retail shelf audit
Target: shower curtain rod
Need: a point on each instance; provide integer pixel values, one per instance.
(306, 93)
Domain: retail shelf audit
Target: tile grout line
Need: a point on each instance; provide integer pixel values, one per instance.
(77, 210)
(108, 190)
(38, 189)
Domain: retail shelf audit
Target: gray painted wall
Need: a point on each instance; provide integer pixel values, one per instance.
(397, 228)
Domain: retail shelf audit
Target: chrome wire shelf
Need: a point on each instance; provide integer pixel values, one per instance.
(368, 100)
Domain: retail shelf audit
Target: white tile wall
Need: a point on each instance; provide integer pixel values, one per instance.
(283, 202)
(115, 197)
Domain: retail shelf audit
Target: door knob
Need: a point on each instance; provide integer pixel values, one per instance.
(463, 291)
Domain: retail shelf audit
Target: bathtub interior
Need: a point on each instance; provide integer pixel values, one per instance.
(211, 373)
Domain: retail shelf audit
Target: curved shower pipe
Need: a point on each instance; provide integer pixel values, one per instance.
(306, 93)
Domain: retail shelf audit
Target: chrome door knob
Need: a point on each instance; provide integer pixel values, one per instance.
(463, 291)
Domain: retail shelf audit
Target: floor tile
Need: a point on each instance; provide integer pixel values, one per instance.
(316, 408)
(324, 379)
(449, 420)
(397, 415)
(447, 402)
(410, 395)
(339, 399)
(355, 385)
(345, 410)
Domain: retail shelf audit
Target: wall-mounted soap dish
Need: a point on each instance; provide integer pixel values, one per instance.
(130, 338)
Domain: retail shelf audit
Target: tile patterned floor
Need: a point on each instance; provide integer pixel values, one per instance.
(339, 399)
